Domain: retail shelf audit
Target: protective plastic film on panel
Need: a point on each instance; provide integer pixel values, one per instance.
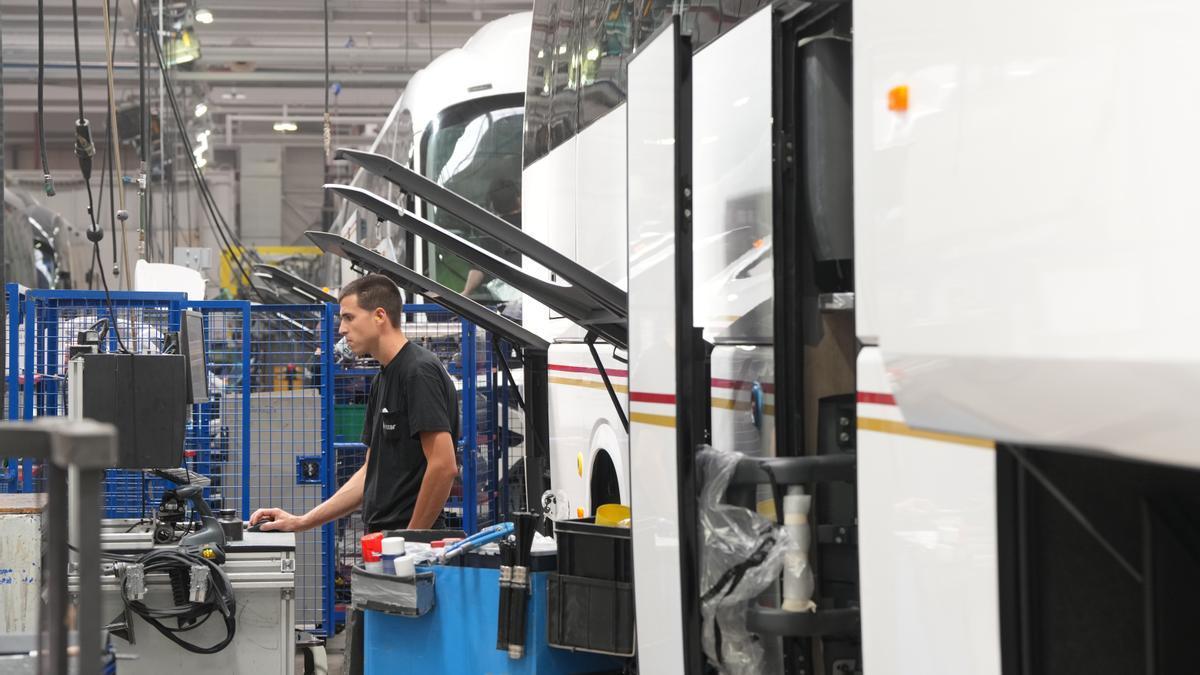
(743, 554)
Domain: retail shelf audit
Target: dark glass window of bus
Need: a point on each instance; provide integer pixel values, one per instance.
(649, 15)
(537, 92)
(607, 45)
(564, 81)
(474, 149)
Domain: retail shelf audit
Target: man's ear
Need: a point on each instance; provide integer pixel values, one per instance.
(380, 315)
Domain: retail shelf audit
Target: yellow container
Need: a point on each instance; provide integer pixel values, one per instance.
(611, 515)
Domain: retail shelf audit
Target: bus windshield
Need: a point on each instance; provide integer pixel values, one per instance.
(474, 149)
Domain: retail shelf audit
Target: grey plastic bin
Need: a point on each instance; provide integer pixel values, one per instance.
(390, 594)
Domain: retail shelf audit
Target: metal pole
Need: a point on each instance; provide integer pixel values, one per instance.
(144, 178)
(54, 573)
(86, 514)
(162, 139)
(3, 258)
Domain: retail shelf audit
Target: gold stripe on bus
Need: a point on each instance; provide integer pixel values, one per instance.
(656, 420)
(902, 429)
(732, 404)
(590, 384)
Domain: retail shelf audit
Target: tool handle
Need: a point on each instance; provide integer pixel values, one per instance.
(484, 536)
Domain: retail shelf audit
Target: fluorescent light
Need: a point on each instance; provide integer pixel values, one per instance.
(593, 54)
(204, 16)
(201, 108)
(201, 163)
(284, 124)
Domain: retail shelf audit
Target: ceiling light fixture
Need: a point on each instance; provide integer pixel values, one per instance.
(285, 125)
(204, 16)
(201, 108)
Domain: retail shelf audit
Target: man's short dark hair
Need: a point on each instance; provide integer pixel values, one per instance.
(375, 291)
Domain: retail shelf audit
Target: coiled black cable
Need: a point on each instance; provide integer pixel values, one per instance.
(188, 615)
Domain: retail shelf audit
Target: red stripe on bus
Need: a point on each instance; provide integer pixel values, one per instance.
(736, 385)
(581, 369)
(882, 399)
(647, 397)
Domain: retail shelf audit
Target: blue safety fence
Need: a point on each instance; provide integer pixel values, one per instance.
(282, 424)
(288, 458)
(264, 436)
(509, 429)
(47, 323)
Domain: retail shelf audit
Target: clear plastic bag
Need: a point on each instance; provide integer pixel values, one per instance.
(742, 555)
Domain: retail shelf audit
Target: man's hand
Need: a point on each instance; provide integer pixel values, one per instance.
(282, 521)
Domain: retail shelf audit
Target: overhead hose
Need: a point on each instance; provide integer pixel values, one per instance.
(47, 179)
(85, 150)
(114, 142)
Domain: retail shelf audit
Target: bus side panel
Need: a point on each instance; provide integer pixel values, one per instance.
(584, 423)
(927, 542)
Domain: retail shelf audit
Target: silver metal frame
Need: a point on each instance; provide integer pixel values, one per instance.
(84, 448)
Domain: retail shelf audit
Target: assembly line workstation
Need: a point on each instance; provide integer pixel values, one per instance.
(145, 591)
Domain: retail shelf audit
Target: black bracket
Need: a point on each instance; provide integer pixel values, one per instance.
(796, 470)
(842, 535)
(612, 393)
(772, 621)
(507, 373)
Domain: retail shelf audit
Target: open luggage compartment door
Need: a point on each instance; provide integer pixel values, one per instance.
(662, 485)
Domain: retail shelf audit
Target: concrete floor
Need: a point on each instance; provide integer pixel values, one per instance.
(334, 652)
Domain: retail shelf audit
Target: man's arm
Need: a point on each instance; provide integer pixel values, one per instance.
(440, 471)
(474, 280)
(345, 501)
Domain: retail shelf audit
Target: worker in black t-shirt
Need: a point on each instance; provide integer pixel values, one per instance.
(410, 430)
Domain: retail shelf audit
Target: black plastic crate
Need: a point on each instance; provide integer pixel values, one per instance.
(586, 549)
(590, 615)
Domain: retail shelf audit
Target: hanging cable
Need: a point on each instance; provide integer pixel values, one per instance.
(47, 179)
(216, 220)
(110, 133)
(84, 151)
(144, 173)
(328, 124)
(122, 214)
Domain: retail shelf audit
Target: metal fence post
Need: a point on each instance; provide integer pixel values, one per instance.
(470, 452)
(27, 403)
(246, 377)
(14, 351)
(329, 464)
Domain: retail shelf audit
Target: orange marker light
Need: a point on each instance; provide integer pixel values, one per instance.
(898, 98)
(579, 512)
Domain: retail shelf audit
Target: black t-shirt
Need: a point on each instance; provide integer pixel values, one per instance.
(413, 393)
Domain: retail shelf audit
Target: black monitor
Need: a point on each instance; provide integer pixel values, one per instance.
(145, 397)
(192, 346)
